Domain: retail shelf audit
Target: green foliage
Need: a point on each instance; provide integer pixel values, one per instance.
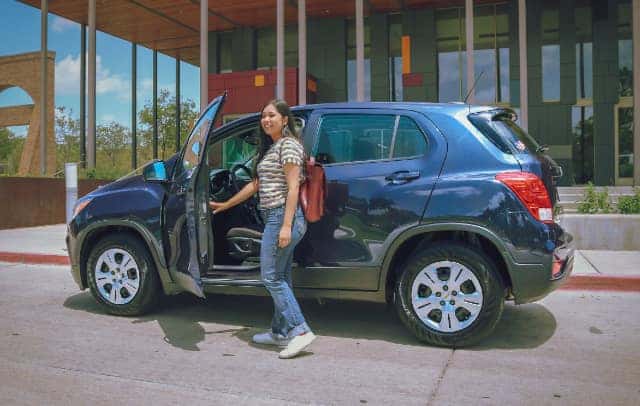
(630, 204)
(10, 151)
(595, 202)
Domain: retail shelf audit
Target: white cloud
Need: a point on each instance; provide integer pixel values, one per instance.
(59, 24)
(68, 79)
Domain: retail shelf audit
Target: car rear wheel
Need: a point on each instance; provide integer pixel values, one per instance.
(122, 276)
(450, 295)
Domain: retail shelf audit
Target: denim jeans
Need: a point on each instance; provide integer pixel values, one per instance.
(275, 271)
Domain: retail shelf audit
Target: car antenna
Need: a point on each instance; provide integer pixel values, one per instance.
(475, 82)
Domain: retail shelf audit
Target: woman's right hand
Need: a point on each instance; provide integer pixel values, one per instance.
(217, 207)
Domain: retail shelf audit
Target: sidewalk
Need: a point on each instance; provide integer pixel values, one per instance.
(593, 270)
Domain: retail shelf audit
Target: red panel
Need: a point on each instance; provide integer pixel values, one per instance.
(412, 79)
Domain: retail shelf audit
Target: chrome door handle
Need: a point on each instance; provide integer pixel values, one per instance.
(400, 177)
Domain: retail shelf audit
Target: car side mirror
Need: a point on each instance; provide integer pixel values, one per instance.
(155, 172)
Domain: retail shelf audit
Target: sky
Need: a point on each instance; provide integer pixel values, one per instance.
(20, 33)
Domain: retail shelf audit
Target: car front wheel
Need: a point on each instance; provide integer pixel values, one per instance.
(122, 275)
(450, 294)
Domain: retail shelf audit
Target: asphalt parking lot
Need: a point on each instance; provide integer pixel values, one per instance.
(58, 347)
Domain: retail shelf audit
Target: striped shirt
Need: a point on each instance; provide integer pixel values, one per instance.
(273, 182)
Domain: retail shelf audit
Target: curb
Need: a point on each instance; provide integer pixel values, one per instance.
(38, 259)
(575, 282)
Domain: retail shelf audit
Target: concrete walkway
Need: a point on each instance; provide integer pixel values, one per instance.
(599, 270)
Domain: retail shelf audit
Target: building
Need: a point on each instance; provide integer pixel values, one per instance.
(575, 58)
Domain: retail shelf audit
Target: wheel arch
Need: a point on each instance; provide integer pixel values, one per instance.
(417, 237)
(97, 231)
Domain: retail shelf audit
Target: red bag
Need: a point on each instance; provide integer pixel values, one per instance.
(313, 191)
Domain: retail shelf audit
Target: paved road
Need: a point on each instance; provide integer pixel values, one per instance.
(58, 347)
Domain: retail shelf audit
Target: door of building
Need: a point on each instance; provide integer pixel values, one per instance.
(624, 142)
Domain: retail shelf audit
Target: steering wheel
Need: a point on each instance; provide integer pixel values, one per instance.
(232, 175)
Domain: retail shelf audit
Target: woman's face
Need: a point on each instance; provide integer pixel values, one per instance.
(272, 121)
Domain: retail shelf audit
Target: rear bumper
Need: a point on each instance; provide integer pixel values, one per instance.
(532, 282)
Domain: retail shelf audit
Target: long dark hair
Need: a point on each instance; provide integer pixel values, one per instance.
(265, 140)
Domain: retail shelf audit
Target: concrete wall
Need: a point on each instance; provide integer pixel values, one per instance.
(603, 231)
(30, 202)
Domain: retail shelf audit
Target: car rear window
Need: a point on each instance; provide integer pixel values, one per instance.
(499, 128)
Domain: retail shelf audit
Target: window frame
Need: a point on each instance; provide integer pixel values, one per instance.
(397, 115)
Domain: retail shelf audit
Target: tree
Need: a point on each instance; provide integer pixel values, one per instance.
(166, 125)
(113, 140)
(67, 130)
(10, 150)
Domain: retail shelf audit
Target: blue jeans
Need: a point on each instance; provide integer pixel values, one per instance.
(275, 271)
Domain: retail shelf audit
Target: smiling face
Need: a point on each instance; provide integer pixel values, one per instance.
(272, 121)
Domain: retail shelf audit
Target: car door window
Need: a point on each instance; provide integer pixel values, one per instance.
(354, 137)
(409, 140)
(195, 145)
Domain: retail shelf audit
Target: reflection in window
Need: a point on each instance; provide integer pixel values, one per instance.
(351, 61)
(550, 51)
(625, 142)
(266, 47)
(352, 138)
(451, 45)
(224, 52)
(582, 129)
(409, 140)
(584, 52)
(395, 57)
(625, 50)
(491, 53)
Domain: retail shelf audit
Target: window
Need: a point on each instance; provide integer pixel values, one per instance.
(266, 47)
(452, 63)
(582, 149)
(395, 57)
(351, 61)
(625, 50)
(491, 53)
(367, 137)
(409, 140)
(224, 50)
(550, 51)
(584, 53)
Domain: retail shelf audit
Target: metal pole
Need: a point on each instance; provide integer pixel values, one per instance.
(359, 50)
(636, 92)
(204, 54)
(71, 186)
(91, 133)
(468, 7)
(522, 44)
(83, 96)
(302, 52)
(178, 104)
(155, 104)
(134, 105)
(280, 49)
(44, 12)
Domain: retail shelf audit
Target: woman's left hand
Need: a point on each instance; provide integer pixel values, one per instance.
(285, 237)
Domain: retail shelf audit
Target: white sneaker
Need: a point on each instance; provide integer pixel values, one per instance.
(269, 338)
(297, 345)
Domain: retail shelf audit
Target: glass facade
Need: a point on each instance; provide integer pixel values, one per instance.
(452, 61)
(395, 57)
(550, 26)
(266, 57)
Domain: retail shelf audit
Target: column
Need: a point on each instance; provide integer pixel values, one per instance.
(178, 104)
(91, 130)
(204, 54)
(134, 105)
(280, 49)
(636, 92)
(522, 41)
(155, 104)
(468, 17)
(359, 50)
(44, 12)
(302, 52)
(83, 95)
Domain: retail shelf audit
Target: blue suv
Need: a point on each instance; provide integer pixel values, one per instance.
(444, 210)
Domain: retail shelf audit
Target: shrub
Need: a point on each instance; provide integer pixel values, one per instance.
(595, 202)
(630, 204)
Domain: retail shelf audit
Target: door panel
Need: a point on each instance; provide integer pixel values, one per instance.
(372, 192)
(187, 220)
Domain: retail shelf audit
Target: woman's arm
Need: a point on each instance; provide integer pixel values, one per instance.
(292, 173)
(246, 192)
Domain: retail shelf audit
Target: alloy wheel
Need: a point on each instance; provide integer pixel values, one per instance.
(117, 276)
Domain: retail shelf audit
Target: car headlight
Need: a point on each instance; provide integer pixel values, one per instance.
(80, 206)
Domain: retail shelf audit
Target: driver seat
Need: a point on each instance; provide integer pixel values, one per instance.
(244, 243)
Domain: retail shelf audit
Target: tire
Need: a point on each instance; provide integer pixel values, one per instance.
(450, 295)
(138, 284)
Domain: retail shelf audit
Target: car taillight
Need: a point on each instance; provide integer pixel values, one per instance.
(532, 193)
(556, 267)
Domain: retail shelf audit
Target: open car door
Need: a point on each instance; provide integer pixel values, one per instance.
(188, 207)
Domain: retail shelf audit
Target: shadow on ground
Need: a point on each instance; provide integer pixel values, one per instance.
(180, 317)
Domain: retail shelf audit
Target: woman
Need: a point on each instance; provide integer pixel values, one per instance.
(278, 170)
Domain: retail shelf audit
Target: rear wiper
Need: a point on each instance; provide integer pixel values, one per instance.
(542, 148)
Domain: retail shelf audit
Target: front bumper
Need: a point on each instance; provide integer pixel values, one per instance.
(532, 282)
(74, 257)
